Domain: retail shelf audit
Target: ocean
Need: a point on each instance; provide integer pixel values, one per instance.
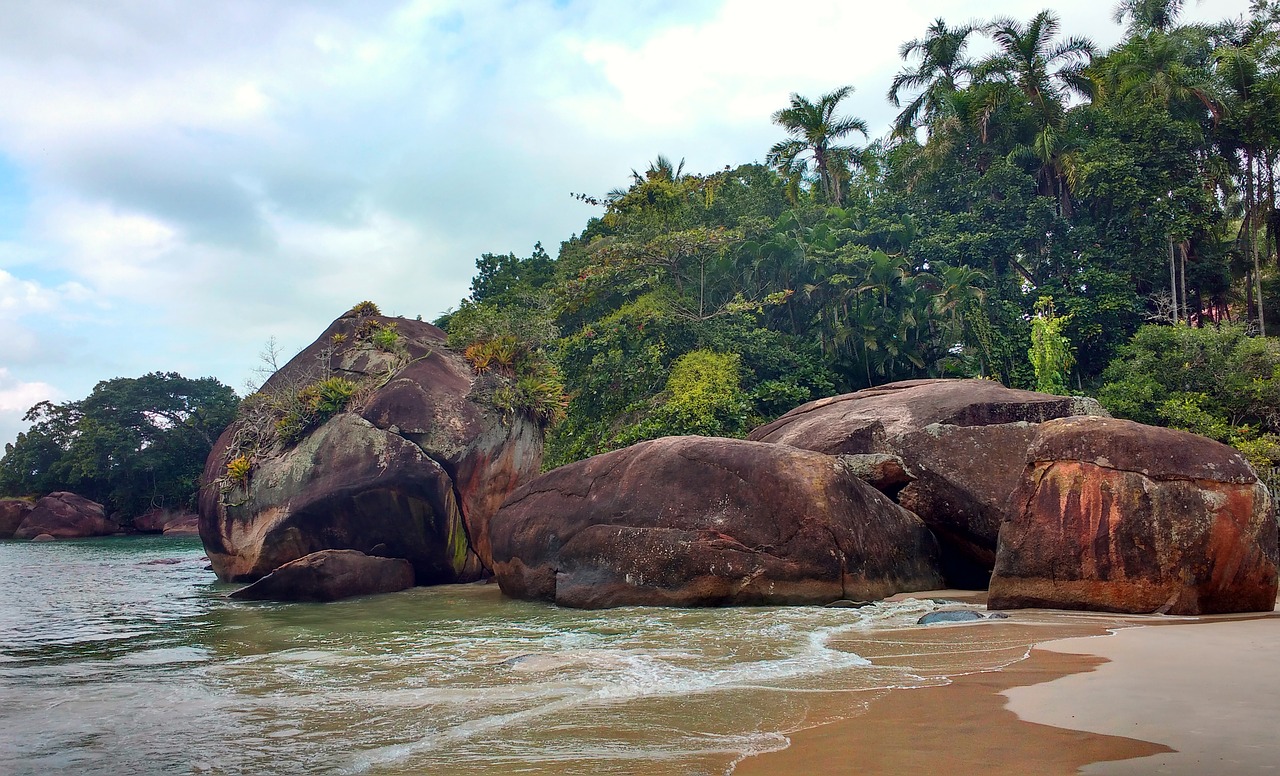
(124, 656)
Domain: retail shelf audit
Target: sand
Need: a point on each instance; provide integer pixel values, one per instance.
(1095, 694)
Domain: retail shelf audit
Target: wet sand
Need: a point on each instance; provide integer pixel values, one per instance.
(1095, 694)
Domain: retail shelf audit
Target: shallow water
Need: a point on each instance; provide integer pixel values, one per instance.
(111, 663)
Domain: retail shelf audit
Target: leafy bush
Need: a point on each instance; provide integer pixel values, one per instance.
(386, 338)
(1216, 381)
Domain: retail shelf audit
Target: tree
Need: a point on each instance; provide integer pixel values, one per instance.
(939, 74)
(815, 129)
(132, 444)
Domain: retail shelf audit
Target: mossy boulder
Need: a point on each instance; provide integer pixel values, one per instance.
(413, 465)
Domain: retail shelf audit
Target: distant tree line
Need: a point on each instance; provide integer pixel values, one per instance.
(1028, 215)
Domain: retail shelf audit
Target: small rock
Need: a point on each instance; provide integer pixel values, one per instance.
(160, 562)
(949, 616)
(845, 603)
(998, 616)
(44, 537)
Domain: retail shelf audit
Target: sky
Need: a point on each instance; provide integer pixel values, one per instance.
(181, 181)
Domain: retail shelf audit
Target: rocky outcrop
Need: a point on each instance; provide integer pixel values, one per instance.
(159, 520)
(183, 525)
(1116, 516)
(330, 575)
(12, 512)
(696, 521)
(418, 464)
(963, 441)
(66, 516)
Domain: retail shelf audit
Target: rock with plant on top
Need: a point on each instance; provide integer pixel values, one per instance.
(377, 433)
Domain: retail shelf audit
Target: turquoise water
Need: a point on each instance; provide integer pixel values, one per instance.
(123, 655)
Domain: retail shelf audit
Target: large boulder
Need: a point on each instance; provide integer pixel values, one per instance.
(158, 520)
(12, 512)
(696, 521)
(330, 575)
(1116, 516)
(417, 465)
(66, 516)
(963, 441)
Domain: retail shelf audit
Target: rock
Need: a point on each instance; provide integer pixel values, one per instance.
(330, 575)
(963, 441)
(12, 512)
(161, 562)
(418, 468)
(950, 615)
(886, 473)
(696, 521)
(66, 516)
(44, 538)
(183, 525)
(998, 616)
(1115, 516)
(157, 520)
(845, 603)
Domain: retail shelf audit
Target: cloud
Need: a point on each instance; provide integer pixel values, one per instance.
(195, 179)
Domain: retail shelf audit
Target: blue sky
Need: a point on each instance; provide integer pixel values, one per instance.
(180, 181)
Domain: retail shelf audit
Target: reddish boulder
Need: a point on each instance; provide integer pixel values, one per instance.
(418, 463)
(1115, 516)
(696, 521)
(12, 512)
(183, 525)
(963, 441)
(330, 575)
(66, 516)
(158, 520)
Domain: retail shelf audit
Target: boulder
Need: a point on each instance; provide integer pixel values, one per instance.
(157, 520)
(1111, 515)
(697, 521)
(963, 441)
(330, 575)
(419, 463)
(12, 512)
(43, 538)
(183, 525)
(66, 516)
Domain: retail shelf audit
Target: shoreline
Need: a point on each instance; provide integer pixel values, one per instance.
(1097, 694)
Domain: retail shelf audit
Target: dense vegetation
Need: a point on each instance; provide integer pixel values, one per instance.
(1027, 215)
(1051, 216)
(133, 444)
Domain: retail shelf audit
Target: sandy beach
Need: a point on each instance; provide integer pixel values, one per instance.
(1061, 693)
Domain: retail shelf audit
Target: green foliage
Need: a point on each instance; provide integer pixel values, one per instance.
(386, 338)
(132, 444)
(1216, 381)
(1050, 352)
(365, 309)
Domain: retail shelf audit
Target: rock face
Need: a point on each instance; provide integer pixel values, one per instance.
(1115, 516)
(183, 525)
(12, 512)
(420, 465)
(963, 441)
(695, 521)
(330, 575)
(66, 516)
(159, 520)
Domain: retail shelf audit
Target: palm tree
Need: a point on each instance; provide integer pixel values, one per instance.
(814, 129)
(1164, 70)
(1149, 15)
(939, 73)
(1044, 73)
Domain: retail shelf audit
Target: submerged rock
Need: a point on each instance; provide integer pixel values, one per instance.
(1116, 516)
(954, 615)
(44, 537)
(415, 469)
(963, 441)
(697, 521)
(330, 575)
(66, 516)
